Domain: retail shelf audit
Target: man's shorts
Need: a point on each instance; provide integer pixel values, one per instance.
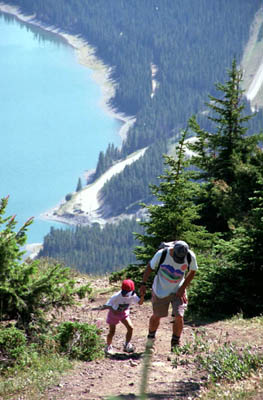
(161, 305)
(115, 318)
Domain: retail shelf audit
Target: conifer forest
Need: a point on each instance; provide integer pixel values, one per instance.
(187, 47)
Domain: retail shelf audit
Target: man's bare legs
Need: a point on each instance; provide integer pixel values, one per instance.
(154, 323)
(178, 325)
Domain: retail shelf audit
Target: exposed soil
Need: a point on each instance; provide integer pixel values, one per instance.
(120, 374)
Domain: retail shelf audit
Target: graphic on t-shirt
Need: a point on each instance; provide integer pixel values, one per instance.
(123, 307)
(171, 274)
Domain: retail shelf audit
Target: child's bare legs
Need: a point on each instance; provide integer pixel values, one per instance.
(112, 329)
(128, 324)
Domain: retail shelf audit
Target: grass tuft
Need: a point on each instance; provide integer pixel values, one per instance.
(31, 381)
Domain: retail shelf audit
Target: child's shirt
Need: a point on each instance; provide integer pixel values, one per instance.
(121, 303)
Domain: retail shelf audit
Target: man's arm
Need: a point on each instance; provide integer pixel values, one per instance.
(146, 274)
(181, 291)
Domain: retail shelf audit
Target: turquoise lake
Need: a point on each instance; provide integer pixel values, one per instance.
(52, 124)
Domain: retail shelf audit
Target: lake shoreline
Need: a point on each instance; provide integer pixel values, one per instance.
(101, 74)
(84, 208)
(86, 56)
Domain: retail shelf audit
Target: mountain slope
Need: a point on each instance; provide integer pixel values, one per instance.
(85, 206)
(171, 376)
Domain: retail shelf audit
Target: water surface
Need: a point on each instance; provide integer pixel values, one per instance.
(52, 125)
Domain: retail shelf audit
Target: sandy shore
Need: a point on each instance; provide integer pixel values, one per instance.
(84, 207)
(86, 56)
(32, 250)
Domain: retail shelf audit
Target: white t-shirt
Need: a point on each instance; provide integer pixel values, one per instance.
(121, 303)
(171, 274)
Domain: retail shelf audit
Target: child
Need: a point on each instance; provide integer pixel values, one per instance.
(118, 306)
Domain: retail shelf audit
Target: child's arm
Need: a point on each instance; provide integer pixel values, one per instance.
(137, 299)
(103, 307)
(109, 307)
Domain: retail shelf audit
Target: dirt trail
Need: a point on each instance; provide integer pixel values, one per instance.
(120, 375)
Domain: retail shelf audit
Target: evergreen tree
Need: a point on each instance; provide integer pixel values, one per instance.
(173, 216)
(176, 214)
(245, 250)
(231, 282)
(29, 290)
(229, 161)
(106, 160)
(79, 185)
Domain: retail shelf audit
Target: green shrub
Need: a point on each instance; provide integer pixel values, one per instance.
(80, 341)
(228, 363)
(215, 291)
(68, 196)
(12, 345)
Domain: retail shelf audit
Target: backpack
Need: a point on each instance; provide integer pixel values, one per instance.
(165, 246)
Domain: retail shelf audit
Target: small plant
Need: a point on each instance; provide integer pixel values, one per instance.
(30, 380)
(68, 196)
(12, 346)
(200, 342)
(177, 361)
(184, 349)
(239, 319)
(80, 341)
(228, 363)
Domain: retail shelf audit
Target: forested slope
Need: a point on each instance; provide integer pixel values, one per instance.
(191, 44)
(93, 250)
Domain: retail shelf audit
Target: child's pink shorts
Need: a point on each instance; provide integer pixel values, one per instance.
(114, 319)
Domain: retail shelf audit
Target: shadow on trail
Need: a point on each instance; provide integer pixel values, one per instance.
(125, 356)
(186, 389)
(149, 396)
(183, 391)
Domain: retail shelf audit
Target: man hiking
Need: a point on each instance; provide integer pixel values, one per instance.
(174, 275)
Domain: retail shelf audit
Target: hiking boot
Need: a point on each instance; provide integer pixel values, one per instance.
(109, 349)
(175, 342)
(128, 348)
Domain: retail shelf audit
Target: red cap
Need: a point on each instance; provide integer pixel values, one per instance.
(128, 285)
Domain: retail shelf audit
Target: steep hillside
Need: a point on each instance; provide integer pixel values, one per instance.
(171, 376)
